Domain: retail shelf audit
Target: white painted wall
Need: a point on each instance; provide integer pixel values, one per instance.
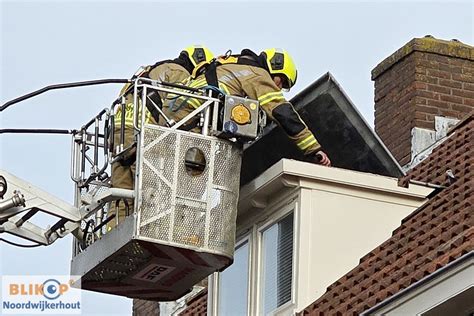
(340, 216)
(337, 228)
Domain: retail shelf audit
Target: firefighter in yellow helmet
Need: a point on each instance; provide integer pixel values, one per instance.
(171, 71)
(260, 77)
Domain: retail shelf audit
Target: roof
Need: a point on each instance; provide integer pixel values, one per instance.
(337, 124)
(430, 238)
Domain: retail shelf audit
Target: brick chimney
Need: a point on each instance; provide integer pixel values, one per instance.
(425, 81)
(145, 308)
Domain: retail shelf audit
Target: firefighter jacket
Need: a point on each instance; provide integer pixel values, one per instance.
(256, 83)
(166, 71)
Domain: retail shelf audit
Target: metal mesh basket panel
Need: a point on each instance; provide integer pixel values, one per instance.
(230, 159)
(156, 205)
(223, 222)
(189, 225)
(179, 208)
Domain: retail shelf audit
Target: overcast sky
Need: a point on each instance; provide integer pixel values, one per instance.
(43, 43)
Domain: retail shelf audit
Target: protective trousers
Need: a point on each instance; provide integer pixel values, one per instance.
(123, 176)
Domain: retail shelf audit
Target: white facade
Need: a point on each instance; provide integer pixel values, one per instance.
(325, 219)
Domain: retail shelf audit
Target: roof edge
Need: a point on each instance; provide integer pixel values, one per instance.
(465, 120)
(337, 176)
(453, 264)
(325, 83)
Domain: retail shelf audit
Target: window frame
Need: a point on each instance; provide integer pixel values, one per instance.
(240, 243)
(289, 207)
(253, 235)
(215, 278)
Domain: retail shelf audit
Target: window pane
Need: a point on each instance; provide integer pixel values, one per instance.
(233, 290)
(277, 264)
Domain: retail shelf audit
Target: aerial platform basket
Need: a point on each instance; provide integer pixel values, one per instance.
(184, 225)
(180, 227)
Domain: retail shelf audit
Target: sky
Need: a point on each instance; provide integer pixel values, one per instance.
(49, 42)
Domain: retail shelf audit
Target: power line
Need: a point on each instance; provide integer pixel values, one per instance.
(62, 86)
(19, 245)
(35, 131)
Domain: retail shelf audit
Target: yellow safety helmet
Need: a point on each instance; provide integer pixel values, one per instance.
(198, 53)
(279, 62)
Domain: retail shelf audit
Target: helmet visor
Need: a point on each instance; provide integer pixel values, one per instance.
(285, 83)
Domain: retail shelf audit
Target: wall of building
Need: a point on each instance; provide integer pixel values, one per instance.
(425, 78)
(340, 216)
(338, 224)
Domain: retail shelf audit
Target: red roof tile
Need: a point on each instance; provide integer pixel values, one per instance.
(434, 235)
(197, 306)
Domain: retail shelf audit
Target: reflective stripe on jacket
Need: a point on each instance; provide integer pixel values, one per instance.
(256, 83)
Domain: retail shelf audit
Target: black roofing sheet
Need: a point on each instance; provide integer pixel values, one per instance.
(339, 127)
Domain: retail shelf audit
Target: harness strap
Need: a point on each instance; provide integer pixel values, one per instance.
(211, 77)
(246, 57)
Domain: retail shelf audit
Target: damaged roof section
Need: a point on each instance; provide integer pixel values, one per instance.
(339, 127)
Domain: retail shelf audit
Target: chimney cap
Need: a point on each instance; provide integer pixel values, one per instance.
(427, 44)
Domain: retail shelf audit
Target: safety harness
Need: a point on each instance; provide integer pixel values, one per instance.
(246, 57)
(209, 70)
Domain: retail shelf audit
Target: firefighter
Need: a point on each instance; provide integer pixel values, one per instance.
(260, 77)
(171, 71)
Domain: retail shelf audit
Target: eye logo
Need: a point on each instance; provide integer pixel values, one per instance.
(52, 289)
